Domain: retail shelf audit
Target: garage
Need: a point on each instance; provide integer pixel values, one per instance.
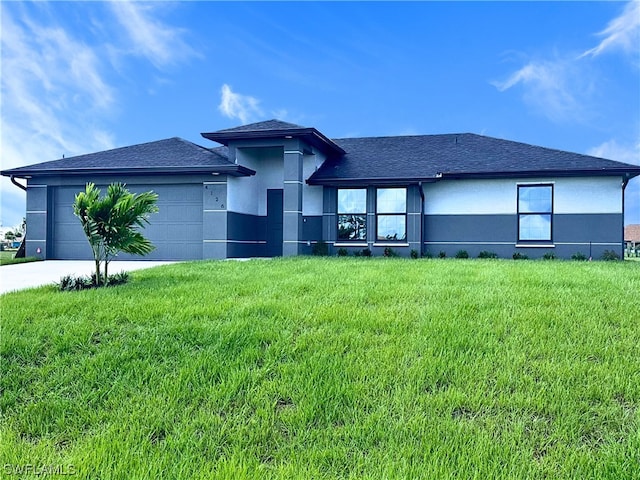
(175, 231)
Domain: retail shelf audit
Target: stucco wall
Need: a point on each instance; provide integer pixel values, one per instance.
(495, 197)
(477, 215)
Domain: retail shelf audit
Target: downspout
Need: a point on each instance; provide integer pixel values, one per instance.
(13, 180)
(421, 219)
(625, 182)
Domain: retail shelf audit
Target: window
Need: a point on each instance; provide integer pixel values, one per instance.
(391, 214)
(352, 214)
(535, 211)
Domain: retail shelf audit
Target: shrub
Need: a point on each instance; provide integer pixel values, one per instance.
(118, 279)
(462, 254)
(442, 254)
(414, 254)
(366, 252)
(549, 256)
(70, 283)
(579, 256)
(320, 249)
(342, 252)
(610, 255)
(390, 252)
(520, 256)
(487, 254)
(427, 254)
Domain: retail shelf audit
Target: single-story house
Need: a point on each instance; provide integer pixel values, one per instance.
(632, 239)
(274, 188)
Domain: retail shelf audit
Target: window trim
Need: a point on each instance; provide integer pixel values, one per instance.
(355, 241)
(399, 241)
(519, 215)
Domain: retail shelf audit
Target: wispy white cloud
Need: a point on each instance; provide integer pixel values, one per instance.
(614, 150)
(55, 89)
(562, 87)
(551, 86)
(622, 33)
(235, 105)
(60, 88)
(161, 44)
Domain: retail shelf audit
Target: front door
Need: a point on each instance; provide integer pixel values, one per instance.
(274, 222)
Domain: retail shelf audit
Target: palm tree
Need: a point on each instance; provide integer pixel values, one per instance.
(111, 223)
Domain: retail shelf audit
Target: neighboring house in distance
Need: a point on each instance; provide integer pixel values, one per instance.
(632, 238)
(274, 188)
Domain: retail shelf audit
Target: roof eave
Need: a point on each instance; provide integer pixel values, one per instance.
(337, 182)
(311, 135)
(626, 172)
(233, 170)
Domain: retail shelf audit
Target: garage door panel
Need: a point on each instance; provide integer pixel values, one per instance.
(70, 232)
(175, 231)
(184, 232)
(185, 213)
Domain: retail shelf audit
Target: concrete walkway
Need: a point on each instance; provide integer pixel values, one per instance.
(35, 274)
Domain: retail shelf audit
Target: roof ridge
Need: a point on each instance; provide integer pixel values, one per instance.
(401, 136)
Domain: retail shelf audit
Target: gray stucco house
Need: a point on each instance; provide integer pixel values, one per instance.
(274, 188)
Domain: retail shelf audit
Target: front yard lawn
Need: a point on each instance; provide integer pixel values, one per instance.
(7, 258)
(329, 368)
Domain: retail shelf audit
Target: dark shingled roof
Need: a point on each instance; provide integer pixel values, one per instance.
(405, 159)
(275, 129)
(263, 126)
(163, 156)
(427, 157)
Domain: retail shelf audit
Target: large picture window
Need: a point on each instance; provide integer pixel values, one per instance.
(352, 214)
(535, 212)
(391, 214)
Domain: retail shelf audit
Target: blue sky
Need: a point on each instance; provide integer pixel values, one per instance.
(79, 77)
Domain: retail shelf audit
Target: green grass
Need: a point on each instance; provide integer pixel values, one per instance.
(330, 368)
(6, 258)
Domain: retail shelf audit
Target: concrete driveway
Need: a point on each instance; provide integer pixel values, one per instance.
(35, 274)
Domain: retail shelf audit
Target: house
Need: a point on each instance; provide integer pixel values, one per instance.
(274, 188)
(632, 239)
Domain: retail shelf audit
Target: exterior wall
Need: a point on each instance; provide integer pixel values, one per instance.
(38, 200)
(477, 215)
(312, 204)
(214, 218)
(284, 165)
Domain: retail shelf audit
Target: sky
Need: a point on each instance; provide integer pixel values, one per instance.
(80, 77)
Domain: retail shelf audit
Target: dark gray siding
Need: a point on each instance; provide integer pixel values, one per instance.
(247, 235)
(585, 233)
